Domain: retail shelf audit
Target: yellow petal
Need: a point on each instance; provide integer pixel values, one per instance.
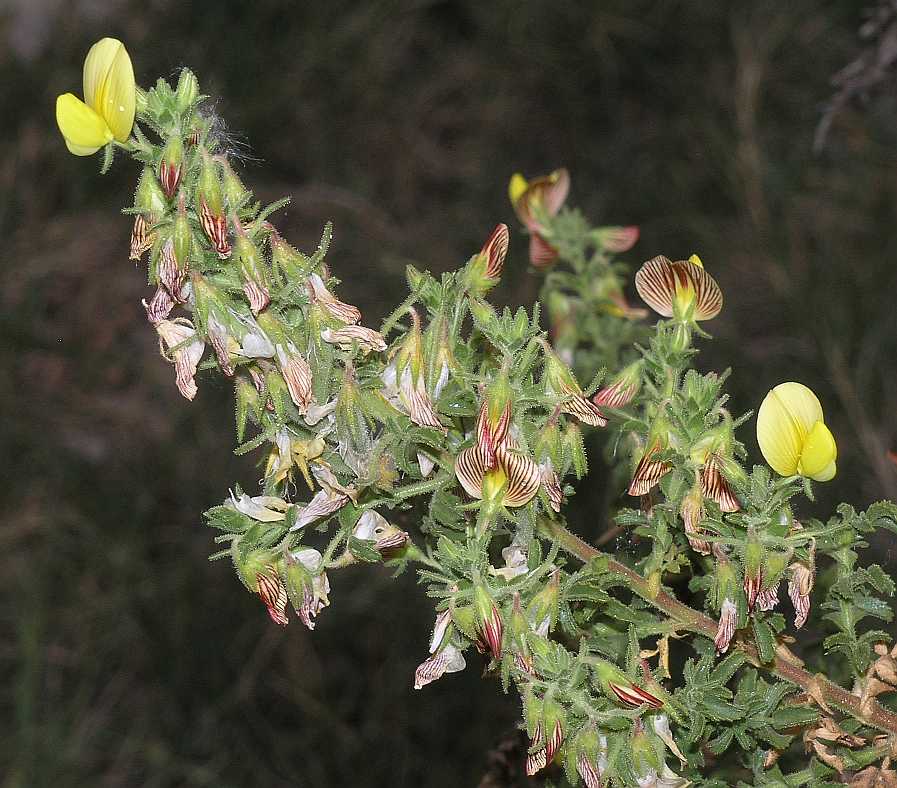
(695, 260)
(817, 460)
(787, 415)
(85, 132)
(109, 86)
(517, 187)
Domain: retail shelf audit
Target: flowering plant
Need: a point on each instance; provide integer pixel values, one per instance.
(450, 437)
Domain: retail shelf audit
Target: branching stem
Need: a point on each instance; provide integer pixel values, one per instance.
(817, 687)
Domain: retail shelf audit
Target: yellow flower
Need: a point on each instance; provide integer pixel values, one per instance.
(110, 96)
(792, 434)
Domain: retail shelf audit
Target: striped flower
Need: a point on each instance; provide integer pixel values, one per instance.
(534, 201)
(542, 755)
(110, 101)
(560, 382)
(649, 471)
(681, 289)
(494, 466)
(485, 267)
(793, 436)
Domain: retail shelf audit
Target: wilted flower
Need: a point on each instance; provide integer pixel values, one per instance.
(307, 584)
(692, 512)
(179, 337)
(535, 200)
(297, 374)
(792, 433)
(542, 756)
(252, 268)
(264, 508)
(768, 598)
(515, 561)
(373, 527)
(728, 616)
(799, 586)
(674, 288)
(345, 313)
(551, 484)
(404, 383)
(365, 338)
(110, 100)
(448, 660)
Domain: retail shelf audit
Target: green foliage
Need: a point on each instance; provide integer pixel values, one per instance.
(467, 421)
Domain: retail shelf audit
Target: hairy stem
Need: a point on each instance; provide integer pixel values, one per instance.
(819, 688)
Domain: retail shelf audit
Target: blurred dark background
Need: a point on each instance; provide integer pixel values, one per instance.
(125, 657)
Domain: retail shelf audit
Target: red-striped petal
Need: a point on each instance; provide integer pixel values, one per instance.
(648, 473)
(541, 253)
(470, 467)
(273, 593)
(634, 696)
(617, 395)
(618, 239)
(659, 279)
(524, 476)
(141, 238)
(495, 250)
(585, 410)
(215, 228)
(715, 486)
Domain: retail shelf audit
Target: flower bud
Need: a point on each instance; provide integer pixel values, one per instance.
(588, 756)
(187, 90)
(484, 269)
(488, 620)
(294, 265)
(681, 339)
(465, 619)
(483, 314)
(646, 752)
(574, 448)
(236, 195)
(182, 237)
(248, 403)
(149, 198)
(617, 686)
(211, 207)
(252, 269)
(753, 565)
(622, 388)
(542, 611)
(261, 576)
(171, 165)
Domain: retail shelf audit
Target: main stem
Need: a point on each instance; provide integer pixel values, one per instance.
(816, 685)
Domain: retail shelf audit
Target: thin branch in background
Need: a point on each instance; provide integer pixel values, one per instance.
(873, 68)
